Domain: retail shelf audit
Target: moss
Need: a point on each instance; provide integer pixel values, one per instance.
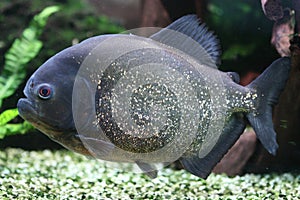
(65, 175)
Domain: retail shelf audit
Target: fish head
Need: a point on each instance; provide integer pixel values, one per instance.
(48, 92)
(48, 102)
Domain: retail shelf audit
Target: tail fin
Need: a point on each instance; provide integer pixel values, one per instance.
(268, 86)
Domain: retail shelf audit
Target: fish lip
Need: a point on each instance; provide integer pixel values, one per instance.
(28, 112)
(25, 106)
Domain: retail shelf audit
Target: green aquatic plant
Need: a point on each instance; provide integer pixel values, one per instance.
(22, 51)
(27, 47)
(67, 175)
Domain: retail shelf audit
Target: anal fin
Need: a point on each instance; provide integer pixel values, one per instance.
(202, 167)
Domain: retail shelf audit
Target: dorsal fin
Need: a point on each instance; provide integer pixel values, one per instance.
(188, 34)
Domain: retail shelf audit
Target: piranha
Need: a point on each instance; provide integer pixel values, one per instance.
(149, 100)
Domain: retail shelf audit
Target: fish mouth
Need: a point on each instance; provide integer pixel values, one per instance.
(67, 138)
(28, 111)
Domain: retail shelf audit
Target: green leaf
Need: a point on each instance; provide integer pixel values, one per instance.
(14, 129)
(8, 115)
(22, 51)
(238, 50)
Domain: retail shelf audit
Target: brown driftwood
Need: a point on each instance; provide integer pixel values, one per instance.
(287, 125)
(154, 14)
(286, 115)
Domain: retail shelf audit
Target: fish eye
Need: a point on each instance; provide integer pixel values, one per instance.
(45, 92)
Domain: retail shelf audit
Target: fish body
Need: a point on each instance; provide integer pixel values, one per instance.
(128, 98)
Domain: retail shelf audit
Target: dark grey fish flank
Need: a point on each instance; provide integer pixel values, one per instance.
(142, 99)
(127, 98)
(110, 77)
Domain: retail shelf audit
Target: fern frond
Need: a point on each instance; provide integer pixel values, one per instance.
(8, 115)
(22, 51)
(13, 129)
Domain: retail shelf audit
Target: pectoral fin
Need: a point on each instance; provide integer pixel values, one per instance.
(98, 148)
(147, 169)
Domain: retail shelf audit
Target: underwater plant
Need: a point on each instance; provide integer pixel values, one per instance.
(22, 51)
